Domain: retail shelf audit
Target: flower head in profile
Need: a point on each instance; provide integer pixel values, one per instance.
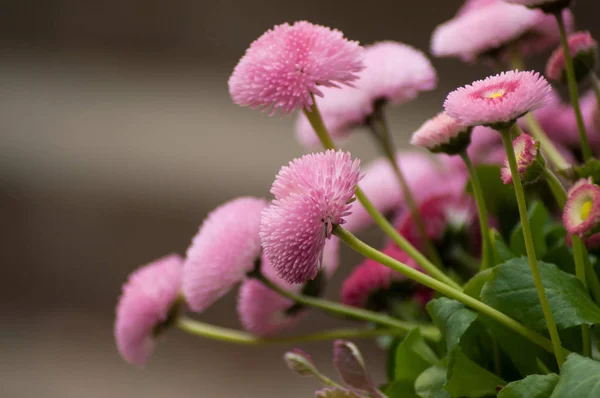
(223, 252)
(584, 51)
(530, 162)
(147, 307)
(582, 211)
(498, 101)
(394, 74)
(312, 195)
(286, 66)
(546, 5)
(443, 134)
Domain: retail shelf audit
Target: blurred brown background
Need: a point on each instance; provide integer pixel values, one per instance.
(117, 135)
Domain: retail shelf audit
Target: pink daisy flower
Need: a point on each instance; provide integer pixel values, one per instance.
(312, 195)
(443, 134)
(147, 307)
(223, 252)
(478, 31)
(582, 212)
(371, 277)
(499, 100)
(529, 160)
(394, 72)
(546, 5)
(286, 65)
(425, 176)
(583, 50)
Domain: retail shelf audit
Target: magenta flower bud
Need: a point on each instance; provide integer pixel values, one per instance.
(498, 101)
(148, 305)
(582, 212)
(443, 134)
(549, 6)
(312, 195)
(584, 51)
(530, 162)
(288, 64)
(351, 366)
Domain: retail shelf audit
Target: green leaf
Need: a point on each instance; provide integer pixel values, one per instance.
(430, 383)
(590, 169)
(538, 218)
(452, 318)
(511, 290)
(534, 386)
(502, 249)
(579, 377)
(413, 356)
(401, 389)
(467, 379)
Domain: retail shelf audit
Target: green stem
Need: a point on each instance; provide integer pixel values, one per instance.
(424, 279)
(219, 333)
(596, 88)
(316, 121)
(579, 253)
(592, 279)
(380, 129)
(556, 187)
(573, 91)
(529, 246)
(487, 254)
(428, 332)
(555, 157)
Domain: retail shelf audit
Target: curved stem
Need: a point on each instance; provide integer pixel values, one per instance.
(214, 332)
(556, 187)
(380, 129)
(529, 246)
(596, 88)
(573, 91)
(402, 327)
(374, 254)
(316, 121)
(487, 260)
(555, 157)
(579, 253)
(592, 279)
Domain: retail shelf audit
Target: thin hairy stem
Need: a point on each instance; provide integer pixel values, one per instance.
(579, 253)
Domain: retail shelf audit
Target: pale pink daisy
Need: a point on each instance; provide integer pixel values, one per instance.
(147, 307)
(583, 49)
(498, 101)
(394, 73)
(479, 30)
(223, 252)
(582, 211)
(312, 195)
(425, 176)
(286, 65)
(443, 134)
(530, 164)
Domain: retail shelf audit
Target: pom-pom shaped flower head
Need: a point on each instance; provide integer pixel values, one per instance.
(443, 134)
(584, 51)
(530, 162)
(286, 65)
(149, 304)
(223, 252)
(394, 73)
(582, 212)
(549, 6)
(312, 195)
(498, 101)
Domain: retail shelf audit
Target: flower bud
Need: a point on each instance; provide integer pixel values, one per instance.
(584, 51)
(530, 162)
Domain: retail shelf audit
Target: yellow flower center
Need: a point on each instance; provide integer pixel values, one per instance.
(586, 208)
(497, 93)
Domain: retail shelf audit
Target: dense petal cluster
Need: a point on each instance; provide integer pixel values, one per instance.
(443, 134)
(312, 195)
(498, 100)
(223, 252)
(582, 212)
(147, 302)
(583, 50)
(529, 162)
(286, 65)
(394, 73)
